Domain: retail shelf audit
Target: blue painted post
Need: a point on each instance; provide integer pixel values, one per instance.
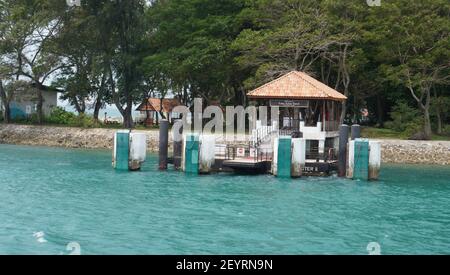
(361, 160)
(284, 157)
(122, 150)
(192, 154)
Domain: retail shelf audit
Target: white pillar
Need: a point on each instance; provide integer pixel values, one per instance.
(275, 157)
(298, 156)
(351, 159)
(374, 160)
(207, 153)
(138, 149)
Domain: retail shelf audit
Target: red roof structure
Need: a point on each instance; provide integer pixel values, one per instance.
(296, 85)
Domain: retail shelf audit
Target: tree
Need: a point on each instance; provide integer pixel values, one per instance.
(418, 48)
(30, 27)
(190, 48)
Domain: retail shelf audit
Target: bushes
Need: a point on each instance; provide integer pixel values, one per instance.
(406, 120)
(59, 116)
(446, 130)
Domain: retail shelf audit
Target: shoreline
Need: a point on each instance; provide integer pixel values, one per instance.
(393, 151)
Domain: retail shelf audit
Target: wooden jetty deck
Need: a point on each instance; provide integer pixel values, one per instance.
(248, 165)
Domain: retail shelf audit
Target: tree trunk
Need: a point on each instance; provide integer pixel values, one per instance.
(5, 102)
(427, 123)
(97, 107)
(40, 104)
(426, 112)
(438, 113)
(380, 111)
(439, 123)
(128, 116)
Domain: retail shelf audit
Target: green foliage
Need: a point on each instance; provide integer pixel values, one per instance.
(405, 120)
(446, 130)
(59, 116)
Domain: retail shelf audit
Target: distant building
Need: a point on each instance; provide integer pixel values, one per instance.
(151, 109)
(25, 104)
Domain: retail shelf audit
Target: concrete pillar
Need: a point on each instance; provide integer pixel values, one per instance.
(191, 154)
(284, 157)
(275, 157)
(163, 143)
(121, 151)
(343, 142)
(298, 157)
(361, 160)
(177, 151)
(350, 159)
(138, 150)
(207, 153)
(356, 131)
(374, 160)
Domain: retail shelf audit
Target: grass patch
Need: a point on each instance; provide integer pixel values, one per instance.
(383, 133)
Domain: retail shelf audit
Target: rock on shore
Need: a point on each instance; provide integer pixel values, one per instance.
(393, 151)
(66, 137)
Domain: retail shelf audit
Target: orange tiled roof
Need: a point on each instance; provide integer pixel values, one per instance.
(296, 85)
(154, 104)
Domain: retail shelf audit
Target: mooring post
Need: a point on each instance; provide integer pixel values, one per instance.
(121, 151)
(163, 143)
(374, 160)
(207, 153)
(138, 150)
(298, 157)
(177, 148)
(361, 160)
(350, 159)
(356, 131)
(284, 157)
(343, 141)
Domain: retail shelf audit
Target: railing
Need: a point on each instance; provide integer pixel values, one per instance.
(262, 134)
(255, 153)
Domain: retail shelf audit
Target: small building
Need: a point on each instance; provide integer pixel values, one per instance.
(152, 108)
(308, 109)
(24, 104)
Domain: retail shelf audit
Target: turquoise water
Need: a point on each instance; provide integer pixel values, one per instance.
(75, 196)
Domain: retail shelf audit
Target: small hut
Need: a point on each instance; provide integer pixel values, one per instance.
(308, 108)
(152, 109)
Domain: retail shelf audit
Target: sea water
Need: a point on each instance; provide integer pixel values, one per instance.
(58, 201)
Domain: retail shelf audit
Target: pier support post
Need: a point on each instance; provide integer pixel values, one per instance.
(138, 150)
(374, 160)
(284, 157)
(121, 151)
(350, 159)
(163, 143)
(191, 154)
(177, 149)
(207, 153)
(360, 170)
(343, 142)
(298, 157)
(275, 157)
(356, 131)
